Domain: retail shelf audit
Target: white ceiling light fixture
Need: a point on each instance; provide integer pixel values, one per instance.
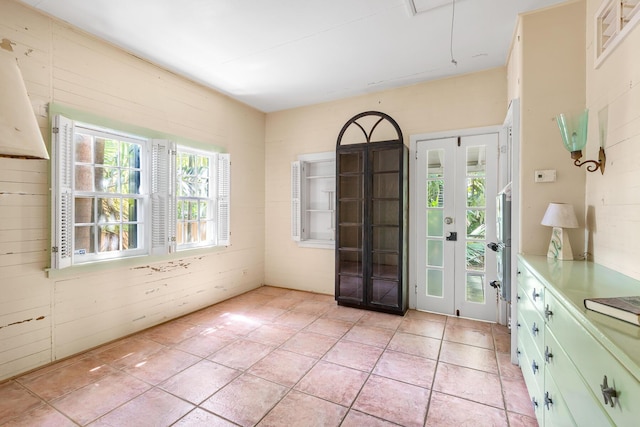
(20, 134)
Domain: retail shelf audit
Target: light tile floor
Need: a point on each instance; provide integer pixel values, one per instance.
(277, 357)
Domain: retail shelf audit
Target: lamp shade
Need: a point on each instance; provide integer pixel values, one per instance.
(560, 215)
(20, 135)
(573, 129)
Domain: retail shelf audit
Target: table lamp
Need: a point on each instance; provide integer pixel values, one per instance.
(560, 216)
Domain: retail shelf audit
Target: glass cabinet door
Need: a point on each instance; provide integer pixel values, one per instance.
(350, 243)
(385, 226)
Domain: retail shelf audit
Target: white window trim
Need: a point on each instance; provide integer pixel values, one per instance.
(300, 201)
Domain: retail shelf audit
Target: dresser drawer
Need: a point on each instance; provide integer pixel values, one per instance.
(530, 319)
(556, 412)
(534, 365)
(595, 364)
(532, 288)
(533, 383)
(579, 399)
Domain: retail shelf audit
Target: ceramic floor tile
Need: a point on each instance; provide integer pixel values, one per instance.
(153, 408)
(266, 313)
(407, 407)
(470, 384)
(273, 291)
(162, 365)
(519, 420)
(58, 382)
(130, 352)
(502, 342)
(42, 416)
(282, 367)
(346, 314)
(418, 326)
(313, 307)
(468, 323)
(205, 344)
(369, 335)
(423, 315)
(202, 418)
(298, 409)
(330, 327)
(241, 354)
(406, 368)
(445, 410)
(200, 381)
(469, 356)
(517, 397)
(309, 344)
(285, 303)
(380, 320)
(508, 369)
(16, 400)
(358, 419)
(295, 320)
(95, 400)
(237, 323)
(273, 335)
(245, 400)
(171, 333)
(416, 345)
(353, 355)
(475, 337)
(335, 383)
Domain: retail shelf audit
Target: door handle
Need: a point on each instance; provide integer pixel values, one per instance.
(453, 236)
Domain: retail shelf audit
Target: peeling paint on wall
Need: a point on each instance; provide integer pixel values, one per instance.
(7, 44)
(170, 266)
(21, 321)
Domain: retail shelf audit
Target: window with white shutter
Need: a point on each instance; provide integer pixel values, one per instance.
(614, 20)
(118, 195)
(313, 192)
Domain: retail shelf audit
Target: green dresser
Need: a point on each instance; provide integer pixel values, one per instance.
(573, 359)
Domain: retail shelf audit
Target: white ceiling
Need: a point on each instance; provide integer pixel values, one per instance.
(279, 54)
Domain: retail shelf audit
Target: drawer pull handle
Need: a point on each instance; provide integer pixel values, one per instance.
(534, 367)
(547, 354)
(548, 313)
(547, 401)
(534, 329)
(608, 393)
(535, 294)
(534, 402)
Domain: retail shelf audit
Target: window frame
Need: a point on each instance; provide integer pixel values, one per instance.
(302, 225)
(614, 19)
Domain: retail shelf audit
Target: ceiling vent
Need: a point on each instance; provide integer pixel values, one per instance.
(422, 6)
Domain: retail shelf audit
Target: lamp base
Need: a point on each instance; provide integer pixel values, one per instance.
(559, 246)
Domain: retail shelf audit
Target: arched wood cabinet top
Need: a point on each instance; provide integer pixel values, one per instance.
(368, 129)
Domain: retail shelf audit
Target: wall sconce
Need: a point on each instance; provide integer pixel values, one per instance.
(560, 216)
(573, 130)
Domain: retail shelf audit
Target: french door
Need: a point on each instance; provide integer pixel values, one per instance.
(456, 191)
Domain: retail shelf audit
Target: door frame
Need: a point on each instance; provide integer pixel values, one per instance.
(413, 215)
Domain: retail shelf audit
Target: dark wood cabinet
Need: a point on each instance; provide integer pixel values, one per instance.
(371, 212)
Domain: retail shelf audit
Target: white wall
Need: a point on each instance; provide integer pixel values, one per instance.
(546, 70)
(43, 319)
(613, 199)
(468, 101)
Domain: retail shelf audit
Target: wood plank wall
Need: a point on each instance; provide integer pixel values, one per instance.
(42, 318)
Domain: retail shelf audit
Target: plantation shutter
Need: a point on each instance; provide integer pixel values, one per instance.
(224, 193)
(62, 179)
(295, 201)
(163, 203)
